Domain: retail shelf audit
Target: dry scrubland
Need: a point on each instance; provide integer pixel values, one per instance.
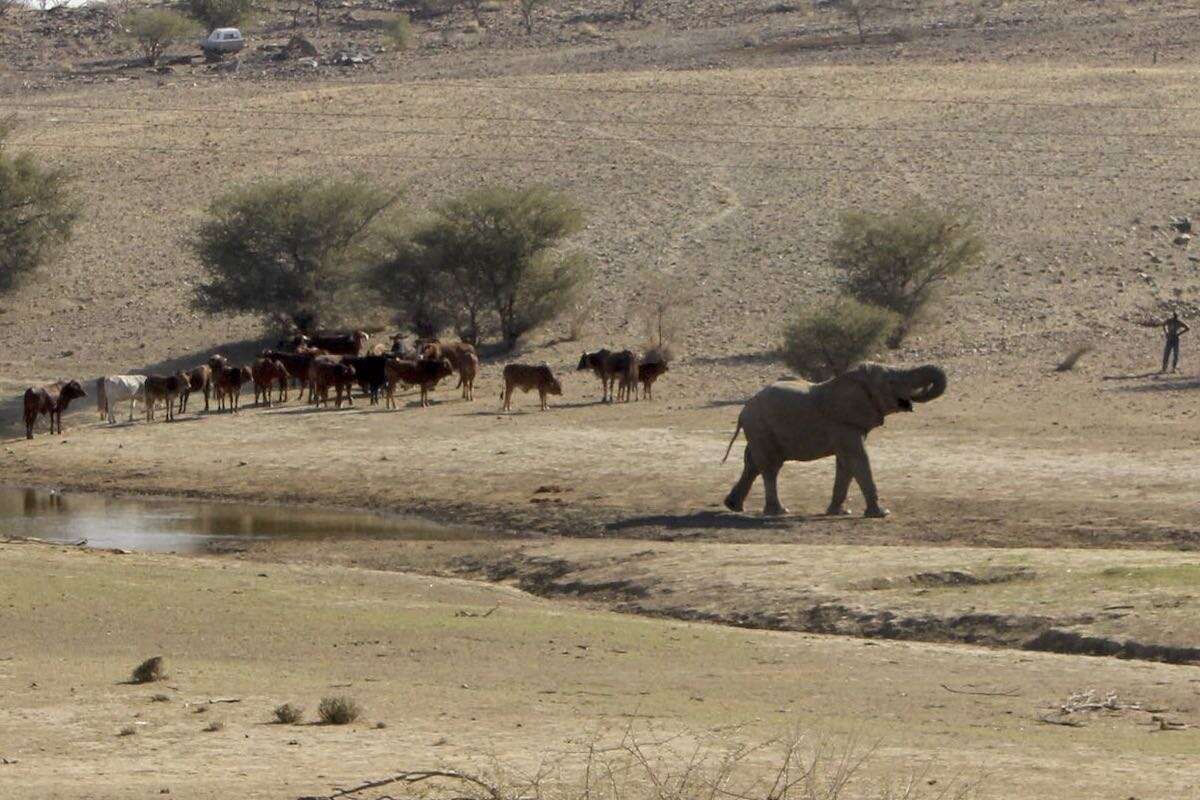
(1065, 499)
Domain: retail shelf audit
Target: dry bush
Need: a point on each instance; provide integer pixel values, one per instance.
(579, 319)
(789, 768)
(288, 714)
(214, 726)
(1068, 363)
(661, 305)
(6, 6)
(149, 671)
(128, 730)
(338, 710)
(160, 698)
(826, 339)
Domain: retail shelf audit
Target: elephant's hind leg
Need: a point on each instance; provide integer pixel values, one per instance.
(736, 498)
(841, 487)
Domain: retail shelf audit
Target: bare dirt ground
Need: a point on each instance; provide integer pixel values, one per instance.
(532, 679)
(714, 145)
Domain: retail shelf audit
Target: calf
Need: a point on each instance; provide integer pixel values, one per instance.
(424, 373)
(338, 344)
(325, 373)
(166, 388)
(526, 377)
(267, 372)
(610, 368)
(51, 400)
(113, 389)
(370, 372)
(648, 374)
(468, 368)
(228, 382)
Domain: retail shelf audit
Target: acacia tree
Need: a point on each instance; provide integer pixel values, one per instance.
(498, 250)
(897, 259)
(409, 281)
(37, 212)
(155, 29)
(290, 250)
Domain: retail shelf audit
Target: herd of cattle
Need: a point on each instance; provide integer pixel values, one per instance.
(321, 365)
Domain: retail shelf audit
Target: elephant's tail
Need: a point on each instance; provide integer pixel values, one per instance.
(736, 431)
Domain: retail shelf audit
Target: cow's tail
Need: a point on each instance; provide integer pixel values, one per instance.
(736, 431)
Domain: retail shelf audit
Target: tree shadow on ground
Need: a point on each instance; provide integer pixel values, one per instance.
(718, 520)
(762, 357)
(1166, 385)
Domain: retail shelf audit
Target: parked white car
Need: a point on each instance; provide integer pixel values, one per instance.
(221, 42)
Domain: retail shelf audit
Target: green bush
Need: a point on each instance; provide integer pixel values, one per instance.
(155, 29)
(220, 13)
(496, 252)
(897, 259)
(398, 31)
(37, 212)
(338, 710)
(825, 339)
(290, 250)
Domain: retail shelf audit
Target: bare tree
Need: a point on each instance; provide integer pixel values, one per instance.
(661, 306)
(858, 11)
(528, 7)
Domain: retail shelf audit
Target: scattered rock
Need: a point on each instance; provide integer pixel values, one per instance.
(1183, 239)
(1182, 224)
(351, 58)
(300, 46)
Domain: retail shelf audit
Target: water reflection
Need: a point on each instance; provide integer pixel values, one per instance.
(188, 526)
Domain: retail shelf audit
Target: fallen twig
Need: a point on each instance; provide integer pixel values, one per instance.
(412, 777)
(1070, 723)
(476, 614)
(215, 700)
(1002, 693)
(35, 540)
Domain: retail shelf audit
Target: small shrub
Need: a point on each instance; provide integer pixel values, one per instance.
(155, 29)
(214, 726)
(128, 730)
(149, 671)
(826, 339)
(160, 698)
(398, 31)
(220, 13)
(200, 710)
(380, 725)
(898, 259)
(288, 714)
(339, 710)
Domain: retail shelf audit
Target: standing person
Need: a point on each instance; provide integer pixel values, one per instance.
(1173, 328)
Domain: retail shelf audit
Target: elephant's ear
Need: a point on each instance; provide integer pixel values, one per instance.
(852, 399)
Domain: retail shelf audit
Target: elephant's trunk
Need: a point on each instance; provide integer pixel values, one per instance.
(928, 382)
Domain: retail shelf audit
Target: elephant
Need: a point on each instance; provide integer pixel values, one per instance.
(796, 421)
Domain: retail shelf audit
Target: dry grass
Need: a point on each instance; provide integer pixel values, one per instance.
(149, 671)
(214, 726)
(128, 730)
(338, 710)
(687, 767)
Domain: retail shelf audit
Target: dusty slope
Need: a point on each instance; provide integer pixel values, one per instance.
(531, 678)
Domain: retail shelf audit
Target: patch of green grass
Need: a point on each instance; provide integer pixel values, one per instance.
(1180, 576)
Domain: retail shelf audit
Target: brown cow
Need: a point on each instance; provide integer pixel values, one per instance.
(328, 372)
(228, 382)
(527, 377)
(51, 400)
(648, 373)
(266, 373)
(454, 352)
(610, 367)
(424, 373)
(199, 380)
(297, 364)
(166, 388)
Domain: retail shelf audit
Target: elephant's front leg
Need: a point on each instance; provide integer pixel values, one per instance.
(841, 487)
(860, 467)
(736, 498)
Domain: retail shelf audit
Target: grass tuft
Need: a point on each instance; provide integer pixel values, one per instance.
(338, 710)
(149, 671)
(288, 714)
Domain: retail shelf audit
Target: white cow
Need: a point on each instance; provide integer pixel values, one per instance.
(115, 388)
